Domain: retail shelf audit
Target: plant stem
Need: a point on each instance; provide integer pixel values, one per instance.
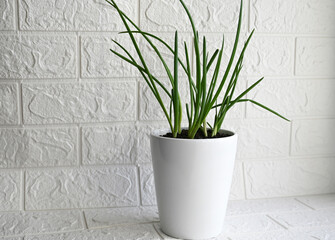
(204, 127)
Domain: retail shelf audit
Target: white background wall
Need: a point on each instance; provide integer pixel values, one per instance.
(74, 120)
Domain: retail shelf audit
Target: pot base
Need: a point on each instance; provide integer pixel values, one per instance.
(190, 236)
(192, 180)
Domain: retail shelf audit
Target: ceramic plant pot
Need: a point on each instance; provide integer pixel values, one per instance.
(192, 180)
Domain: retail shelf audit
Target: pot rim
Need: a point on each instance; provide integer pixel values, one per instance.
(158, 132)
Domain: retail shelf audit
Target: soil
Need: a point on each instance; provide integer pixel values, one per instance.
(198, 135)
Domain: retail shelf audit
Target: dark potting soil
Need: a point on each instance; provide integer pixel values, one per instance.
(198, 135)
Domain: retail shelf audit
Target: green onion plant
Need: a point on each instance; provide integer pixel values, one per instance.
(204, 88)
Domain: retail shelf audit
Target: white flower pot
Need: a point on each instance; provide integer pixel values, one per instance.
(192, 180)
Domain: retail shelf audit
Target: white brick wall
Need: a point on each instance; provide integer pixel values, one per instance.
(75, 120)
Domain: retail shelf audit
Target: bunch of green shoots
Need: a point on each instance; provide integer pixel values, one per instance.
(203, 97)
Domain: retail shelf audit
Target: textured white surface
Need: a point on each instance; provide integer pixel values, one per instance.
(169, 15)
(327, 233)
(303, 100)
(237, 190)
(7, 15)
(319, 202)
(148, 193)
(154, 63)
(260, 138)
(36, 56)
(113, 216)
(292, 177)
(270, 56)
(313, 137)
(19, 223)
(11, 238)
(278, 235)
(267, 219)
(8, 104)
(286, 16)
(108, 145)
(36, 147)
(10, 187)
(74, 188)
(73, 16)
(306, 219)
(242, 207)
(149, 108)
(98, 61)
(89, 102)
(313, 58)
(249, 224)
(71, 112)
(144, 131)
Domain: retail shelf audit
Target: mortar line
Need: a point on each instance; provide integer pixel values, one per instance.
(83, 208)
(287, 78)
(84, 219)
(80, 146)
(50, 81)
(249, 15)
(122, 79)
(147, 206)
(290, 139)
(20, 86)
(72, 167)
(263, 34)
(295, 57)
(70, 125)
(9, 32)
(138, 105)
(23, 190)
(17, 15)
(139, 184)
(130, 164)
(147, 122)
(245, 110)
(19, 104)
(49, 233)
(43, 80)
(301, 202)
(274, 220)
(286, 158)
(139, 13)
(78, 73)
(244, 181)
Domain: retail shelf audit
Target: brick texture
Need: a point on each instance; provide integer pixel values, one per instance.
(285, 16)
(10, 190)
(9, 104)
(73, 188)
(90, 102)
(75, 120)
(35, 56)
(38, 147)
(7, 15)
(73, 16)
(18, 223)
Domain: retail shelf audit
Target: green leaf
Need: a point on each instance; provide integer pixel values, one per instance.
(141, 69)
(155, 91)
(264, 107)
(248, 90)
(232, 56)
(161, 41)
(175, 95)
